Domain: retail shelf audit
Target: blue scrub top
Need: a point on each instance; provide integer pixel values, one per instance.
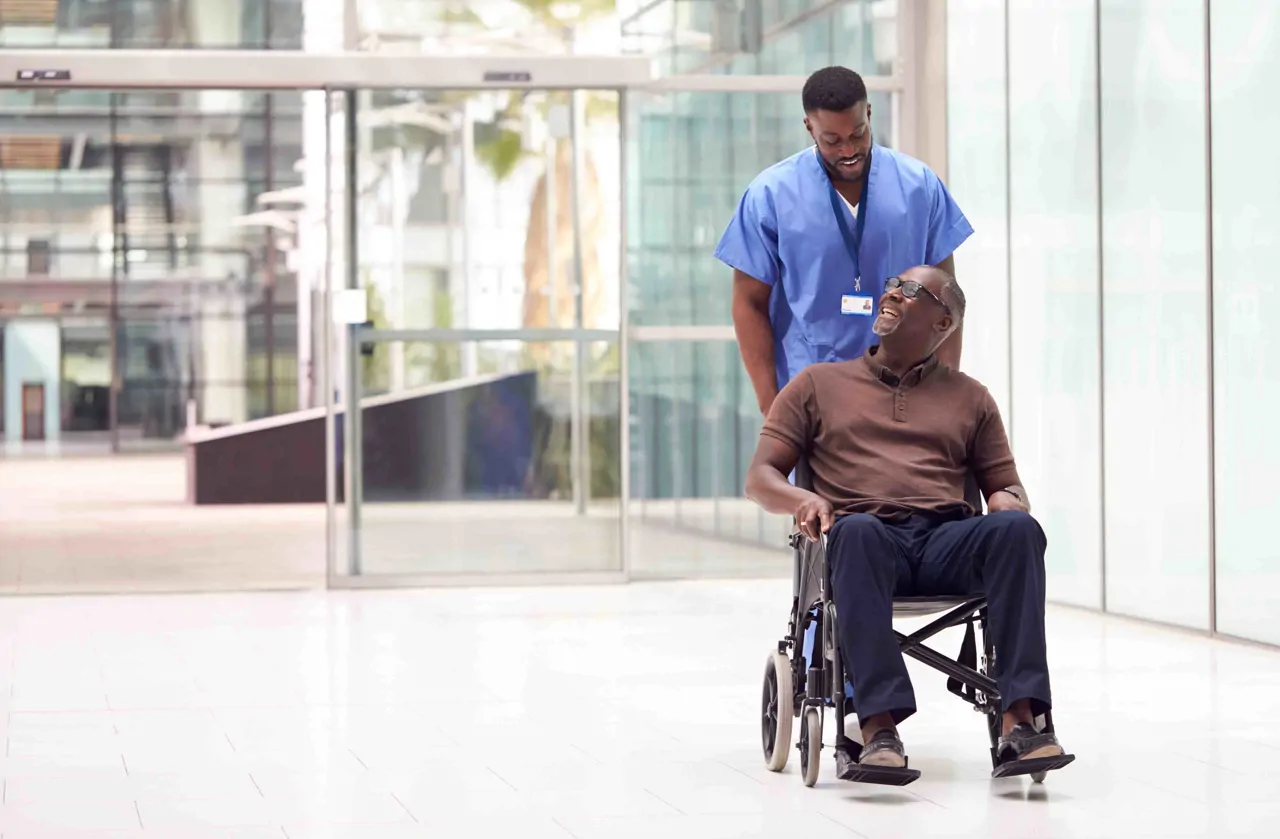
(785, 234)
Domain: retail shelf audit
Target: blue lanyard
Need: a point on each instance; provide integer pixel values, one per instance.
(853, 242)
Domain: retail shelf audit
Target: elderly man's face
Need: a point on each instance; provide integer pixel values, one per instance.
(912, 314)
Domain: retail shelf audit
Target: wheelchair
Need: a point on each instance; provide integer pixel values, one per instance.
(800, 683)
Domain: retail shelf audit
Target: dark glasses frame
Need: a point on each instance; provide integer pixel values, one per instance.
(911, 290)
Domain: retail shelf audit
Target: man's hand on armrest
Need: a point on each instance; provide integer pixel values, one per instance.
(767, 485)
(1011, 499)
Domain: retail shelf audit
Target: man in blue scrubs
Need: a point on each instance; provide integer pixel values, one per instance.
(816, 236)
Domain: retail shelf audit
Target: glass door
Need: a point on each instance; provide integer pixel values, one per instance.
(483, 230)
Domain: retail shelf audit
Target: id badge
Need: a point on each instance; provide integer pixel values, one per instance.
(857, 304)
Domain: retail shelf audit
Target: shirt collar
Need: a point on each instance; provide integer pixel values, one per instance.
(913, 376)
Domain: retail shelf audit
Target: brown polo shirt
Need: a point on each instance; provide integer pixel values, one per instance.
(891, 447)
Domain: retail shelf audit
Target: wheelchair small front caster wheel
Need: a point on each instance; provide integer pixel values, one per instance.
(777, 707)
(811, 746)
(1038, 777)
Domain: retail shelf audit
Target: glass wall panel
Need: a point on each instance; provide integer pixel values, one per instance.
(475, 473)
(153, 24)
(977, 172)
(141, 206)
(455, 204)
(1053, 165)
(764, 37)
(522, 28)
(1155, 310)
(694, 416)
(139, 276)
(1246, 204)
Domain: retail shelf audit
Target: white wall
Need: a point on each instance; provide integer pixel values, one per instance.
(32, 355)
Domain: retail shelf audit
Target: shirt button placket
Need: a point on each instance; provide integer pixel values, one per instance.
(900, 406)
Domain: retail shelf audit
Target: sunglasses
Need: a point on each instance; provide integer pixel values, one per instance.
(911, 290)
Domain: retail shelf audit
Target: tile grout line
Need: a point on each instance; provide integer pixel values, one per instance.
(665, 801)
(252, 780)
(756, 781)
(554, 820)
(842, 824)
(138, 810)
(402, 806)
(495, 774)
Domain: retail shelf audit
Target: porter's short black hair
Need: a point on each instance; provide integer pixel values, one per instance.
(833, 89)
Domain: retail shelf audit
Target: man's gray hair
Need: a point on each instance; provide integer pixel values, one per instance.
(953, 296)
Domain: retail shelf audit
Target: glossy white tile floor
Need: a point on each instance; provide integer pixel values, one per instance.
(593, 712)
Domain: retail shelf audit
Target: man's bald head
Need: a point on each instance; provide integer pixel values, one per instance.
(943, 285)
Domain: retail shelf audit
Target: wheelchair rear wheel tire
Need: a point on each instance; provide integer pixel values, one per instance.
(777, 709)
(811, 746)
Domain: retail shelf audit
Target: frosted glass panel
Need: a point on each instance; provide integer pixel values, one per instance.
(977, 168)
(1053, 170)
(1155, 310)
(1246, 235)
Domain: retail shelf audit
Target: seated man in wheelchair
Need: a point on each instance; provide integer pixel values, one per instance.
(891, 439)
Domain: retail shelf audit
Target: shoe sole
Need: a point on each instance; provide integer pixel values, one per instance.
(1031, 766)
(862, 773)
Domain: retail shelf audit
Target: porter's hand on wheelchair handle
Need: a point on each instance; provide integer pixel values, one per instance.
(815, 517)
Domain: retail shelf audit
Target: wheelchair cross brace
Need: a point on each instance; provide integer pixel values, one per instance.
(962, 672)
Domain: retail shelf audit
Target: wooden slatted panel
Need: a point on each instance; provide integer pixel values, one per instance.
(28, 11)
(30, 152)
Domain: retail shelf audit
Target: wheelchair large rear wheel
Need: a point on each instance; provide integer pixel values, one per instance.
(777, 708)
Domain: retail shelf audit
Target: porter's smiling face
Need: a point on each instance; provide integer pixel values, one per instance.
(843, 139)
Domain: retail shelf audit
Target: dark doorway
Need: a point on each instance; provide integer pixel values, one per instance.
(32, 411)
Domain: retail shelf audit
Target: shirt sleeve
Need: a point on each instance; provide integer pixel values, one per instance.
(948, 227)
(990, 456)
(750, 242)
(793, 417)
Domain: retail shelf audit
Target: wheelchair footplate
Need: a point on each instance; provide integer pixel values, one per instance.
(1031, 766)
(848, 769)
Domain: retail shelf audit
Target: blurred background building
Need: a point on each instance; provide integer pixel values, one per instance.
(537, 269)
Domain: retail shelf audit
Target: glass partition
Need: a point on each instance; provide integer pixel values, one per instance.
(487, 234)
(1053, 302)
(145, 289)
(1246, 348)
(1155, 304)
(484, 474)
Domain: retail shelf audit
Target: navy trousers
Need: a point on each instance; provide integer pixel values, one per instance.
(1000, 555)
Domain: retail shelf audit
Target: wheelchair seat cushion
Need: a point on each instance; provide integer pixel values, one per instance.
(920, 606)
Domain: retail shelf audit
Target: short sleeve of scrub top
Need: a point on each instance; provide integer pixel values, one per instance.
(750, 242)
(948, 228)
